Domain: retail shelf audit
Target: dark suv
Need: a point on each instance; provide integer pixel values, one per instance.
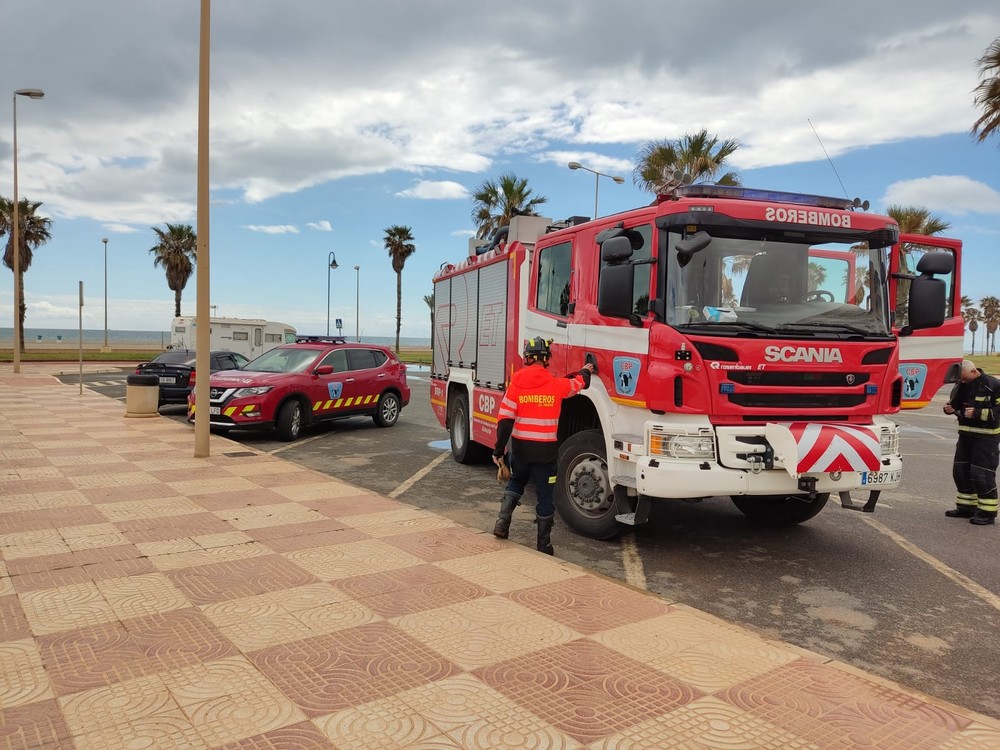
(316, 379)
(175, 369)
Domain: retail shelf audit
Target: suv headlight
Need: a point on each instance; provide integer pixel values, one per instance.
(685, 447)
(255, 390)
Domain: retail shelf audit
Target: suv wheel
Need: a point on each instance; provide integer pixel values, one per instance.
(289, 422)
(387, 411)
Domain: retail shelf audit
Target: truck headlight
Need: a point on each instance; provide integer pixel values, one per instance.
(256, 390)
(889, 442)
(685, 447)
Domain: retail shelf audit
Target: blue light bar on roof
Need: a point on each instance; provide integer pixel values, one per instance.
(772, 196)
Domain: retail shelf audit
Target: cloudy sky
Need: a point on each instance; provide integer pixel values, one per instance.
(331, 121)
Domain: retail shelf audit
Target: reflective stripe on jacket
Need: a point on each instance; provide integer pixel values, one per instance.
(534, 399)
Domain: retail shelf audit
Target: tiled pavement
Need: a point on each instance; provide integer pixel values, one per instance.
(149, 599)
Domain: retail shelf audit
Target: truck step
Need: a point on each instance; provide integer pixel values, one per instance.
(625, 480)
(626, 518)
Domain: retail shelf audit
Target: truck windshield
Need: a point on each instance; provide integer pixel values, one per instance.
(284, 360)
(779, 286)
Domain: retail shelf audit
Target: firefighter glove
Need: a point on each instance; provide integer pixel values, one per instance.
(503, 471)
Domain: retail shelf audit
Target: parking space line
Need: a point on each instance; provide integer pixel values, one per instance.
(634, 573)
(966, 583)
(419, 475)
(297, 443)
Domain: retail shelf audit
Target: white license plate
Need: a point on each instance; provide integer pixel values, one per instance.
(876, 478)
(168, 381)
(215, 410)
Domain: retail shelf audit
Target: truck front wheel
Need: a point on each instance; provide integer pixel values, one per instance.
(583, 493)
(780, 510)
(463, 448)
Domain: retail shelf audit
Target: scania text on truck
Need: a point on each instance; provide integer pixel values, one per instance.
(748, 343)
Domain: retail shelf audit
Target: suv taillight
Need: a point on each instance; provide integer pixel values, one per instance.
(191, 379)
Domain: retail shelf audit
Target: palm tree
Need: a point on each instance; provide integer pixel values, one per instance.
(398, 241)
(33, 231)
(988, 93)
(176, 251)
(699, 155)
(990, 315)
(495, 203)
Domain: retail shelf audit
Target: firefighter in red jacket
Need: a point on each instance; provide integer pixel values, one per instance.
(529, 418)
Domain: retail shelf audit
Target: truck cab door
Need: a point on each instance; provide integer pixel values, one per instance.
(550, 291)
(930, 357)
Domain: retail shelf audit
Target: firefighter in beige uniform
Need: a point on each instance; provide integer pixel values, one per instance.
(529, 418)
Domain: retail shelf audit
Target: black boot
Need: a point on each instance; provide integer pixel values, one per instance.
(544, 530)
(507, 505)
(984, 518)
(961, 511)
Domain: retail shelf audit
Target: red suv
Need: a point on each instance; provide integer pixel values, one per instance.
(316, 379)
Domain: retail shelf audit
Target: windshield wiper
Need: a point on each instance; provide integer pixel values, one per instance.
(745, 324)
(829, 326)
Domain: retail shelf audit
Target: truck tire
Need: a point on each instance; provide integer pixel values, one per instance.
(387, 411)
(288, 425)
(583, 493)
(780, 510)
(463, 448)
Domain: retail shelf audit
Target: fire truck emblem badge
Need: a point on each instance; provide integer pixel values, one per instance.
(334, 389)
(626, 370)
(850, 378)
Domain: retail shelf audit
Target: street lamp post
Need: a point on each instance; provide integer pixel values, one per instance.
(105, 241)
(15, 238)
(357, 303)
(597, 179)
(331, 263)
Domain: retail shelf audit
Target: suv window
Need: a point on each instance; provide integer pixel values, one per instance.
(380, 358)
(338, 359)
(361, 359)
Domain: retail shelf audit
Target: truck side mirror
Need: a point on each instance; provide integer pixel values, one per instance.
(928, 295)
(687, 247)
(936, 263)
(614, 290)
(616, 250)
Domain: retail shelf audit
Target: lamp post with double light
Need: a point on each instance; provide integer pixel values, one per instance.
(331, 263)
(597, 179)
(15, 236)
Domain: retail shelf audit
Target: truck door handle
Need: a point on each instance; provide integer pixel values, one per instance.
(349, 380)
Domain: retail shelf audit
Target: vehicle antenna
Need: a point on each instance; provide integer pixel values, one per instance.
(828, 158)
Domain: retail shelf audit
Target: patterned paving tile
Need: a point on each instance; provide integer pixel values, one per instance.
(229, 700)
(206, 584)
(128, 510)
(139, 595)
(322, 489)
(484, 631)
(135, 479)
(222, 500)
(106, 654)
(66, 608)
(408, 590)
(203, 556)
(259, 516)
(475, 715)
(509, 569)
(383, 723)
(107, 494)
(589, 604)
(48, 518)
(833, 709)
(445, 543)
(13, 624)
(37, 543)
(585, 690)
(700, 651)
(395, 522)
(92, 536)
(351, 559)
(297, 536)
(24, 679)
(332, 672)
(257, 622)
(34, 726)
(43, 500)
(157, 529)
(208, 486)
(302, 736)
(349, 505)
(706, 723)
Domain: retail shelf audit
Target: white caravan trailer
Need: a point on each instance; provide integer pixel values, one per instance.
(251, 337)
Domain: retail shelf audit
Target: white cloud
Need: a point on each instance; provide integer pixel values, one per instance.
(952, 194)
(464, 233)
(120, 228)
(276, 229)
(431, 190)
(593, 160)
(320, 226)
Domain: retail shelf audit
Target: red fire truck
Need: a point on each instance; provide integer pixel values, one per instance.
(751, 344)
